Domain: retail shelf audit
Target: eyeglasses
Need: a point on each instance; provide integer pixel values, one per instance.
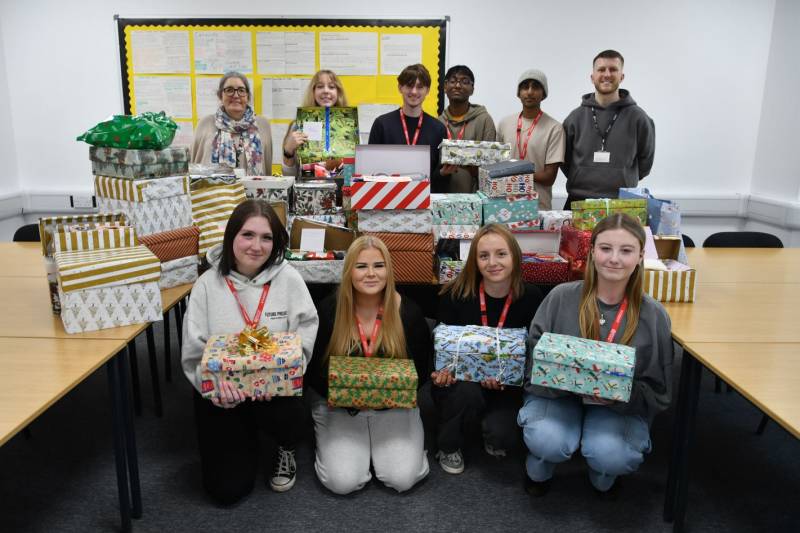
(464, 82)
(238, 91)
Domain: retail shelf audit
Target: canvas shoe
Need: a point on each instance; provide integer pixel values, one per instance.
(283, 477)
(452, 463)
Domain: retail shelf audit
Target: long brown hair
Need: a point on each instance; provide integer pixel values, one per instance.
(589, 312)
(465, 285)
(391, 341)
(308, 96)
(243, 212)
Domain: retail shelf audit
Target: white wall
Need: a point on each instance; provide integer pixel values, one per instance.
(9, 174)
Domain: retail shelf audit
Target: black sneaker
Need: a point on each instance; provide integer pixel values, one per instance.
(283, 477)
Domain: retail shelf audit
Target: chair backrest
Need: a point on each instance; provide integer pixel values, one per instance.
(27, 233)
(742, 239)
(687, 241)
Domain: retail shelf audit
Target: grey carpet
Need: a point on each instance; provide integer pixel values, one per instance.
(63, 479)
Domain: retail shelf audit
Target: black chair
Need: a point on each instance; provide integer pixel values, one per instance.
(27, 233)
(687, 241)
(742, 239)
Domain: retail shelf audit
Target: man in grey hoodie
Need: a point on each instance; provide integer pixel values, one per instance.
(464, 120)
(611, 141)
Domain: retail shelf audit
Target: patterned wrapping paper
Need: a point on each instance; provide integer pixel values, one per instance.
(109, 307)
(575, 243)
(584, 366)
(178, 272)
(510, 209)
(337, 219)
(125, 156)
(454, 232)
(407, 242)
(587, 213)
(412, 255)
(50, 226)
(94, 239)
(545, 268)
(153, 216)
(138, 172)
(278, 374)
(670, 286)
(456, 210)
(372, 382)
(474, 153)
(339, 126)
(324, 271)
(315, 197)
(106, 268)
(506, 168)
(476, 353)
(268, 188)
(396, 220)
(173, 244)
(500, 187)
(449, 269)
(553, 220)
(141, 190)
(212, 205)
(415, 194)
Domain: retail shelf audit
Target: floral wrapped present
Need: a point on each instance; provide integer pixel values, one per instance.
(510, 209)
(139, 164)
(372, 382)
(587, 213)
(152, 205)
(456, 210)
(553, 220)
(395, 220)
(178, 272)
(477, 353)
(473, 153)
(332, 132)
(269, 188)
(449, 269)
(412, 255)
(255, 362)
(315, 197)
(508, 178)
(101, 289)
(212, 204)
(584, 366)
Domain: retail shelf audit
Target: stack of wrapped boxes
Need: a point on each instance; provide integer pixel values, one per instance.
(508, 195)
(455, 217)
(397, 210)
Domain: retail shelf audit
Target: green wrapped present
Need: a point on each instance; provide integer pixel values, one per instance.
(587, 213)
(148, 131)
(333, 133)
(456, 209)
(511, 209)
(372, 382)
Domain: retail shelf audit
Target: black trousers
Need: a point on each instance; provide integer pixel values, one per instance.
(228, 439)
(459, 409)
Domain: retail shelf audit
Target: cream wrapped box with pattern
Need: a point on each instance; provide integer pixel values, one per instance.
(139, 164)
(315, 197)
(269, 188)
(152, 205)
(395, 220)
(477, 353)
(584, 366)
(277, 373)
(101, 289)
(179, 272)
(321, 271)
(473, 153)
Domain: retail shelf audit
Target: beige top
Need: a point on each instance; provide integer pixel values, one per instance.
(546, 146)
(204, 136)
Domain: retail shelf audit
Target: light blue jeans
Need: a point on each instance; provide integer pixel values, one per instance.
(612, 444)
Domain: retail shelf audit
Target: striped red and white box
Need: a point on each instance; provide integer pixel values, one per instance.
(390, 195)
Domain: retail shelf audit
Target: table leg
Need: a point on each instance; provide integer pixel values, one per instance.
(137, 393)
(691, 413)
(179, 309)
(151, 348)
(167, 350)
(119, 445)
(677, 438)
(130, 438)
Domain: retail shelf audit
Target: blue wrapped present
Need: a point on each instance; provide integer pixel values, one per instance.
(476, 353)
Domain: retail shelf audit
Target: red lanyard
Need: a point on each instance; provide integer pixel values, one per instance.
(523, 151)
(405, 128)
(503, 313)
(615, 326)
(460, 132)
(253, 323)
(375, 329)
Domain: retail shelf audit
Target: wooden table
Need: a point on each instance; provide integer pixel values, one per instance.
(21, 259)
(735, 265)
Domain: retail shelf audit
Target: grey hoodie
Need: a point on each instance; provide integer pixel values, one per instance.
(631, 142)
(479, 127)
(213, 310)
(652, 380)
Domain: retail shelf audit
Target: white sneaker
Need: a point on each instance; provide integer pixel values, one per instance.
(452, 463)
(283, 477)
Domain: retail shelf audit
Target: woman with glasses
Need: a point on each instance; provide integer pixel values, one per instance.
(234, 136)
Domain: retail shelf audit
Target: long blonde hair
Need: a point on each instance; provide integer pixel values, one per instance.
(391, 341)
(308, 97)
(589, 312)
(465, 285)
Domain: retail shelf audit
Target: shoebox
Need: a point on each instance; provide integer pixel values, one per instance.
(554, 220)
(476, 353)
(212, 202)
(173, 244)
(178, 271)
(264, 363)
(473, 153)
(456, 210)
(315, 197)
(412, 255)
(449, 269)
(575, 246)
(540, 260)
(508, 178)
(332, 133)
(395, 220)
(510, 209)
(390, 192)
(665, 278)
(587, 213)
(372, 382)
(584, 366)
(269, 188)
(139, 164)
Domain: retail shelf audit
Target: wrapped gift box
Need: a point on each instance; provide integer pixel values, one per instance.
(575, 243)
(139, 164)
(336, 219)
(173, 244)
(449, 269)
(584, 366)
(508, 178)
(101, 289)
(269, 188)
(152, 205)
(540, 260)
(391, 194)
(50, 227)
(372, 382)
(212, 205)
(339, 133)
(277, 373)
(323, 271)
(412, 255)
(477, 353)
(395, 220)
(315, 197)
(510, 209)
(454, 232)
(473, 153)
(75, 240)
(456, 210)
(672, 281)
(178, 272)
(554, 220)
(587, 213)
(663, 216)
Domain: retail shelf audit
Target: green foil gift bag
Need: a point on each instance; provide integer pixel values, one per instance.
(372, 383)
(147, 131)
(332, 133)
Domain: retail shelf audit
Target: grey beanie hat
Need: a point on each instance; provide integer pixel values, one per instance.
(534, 74)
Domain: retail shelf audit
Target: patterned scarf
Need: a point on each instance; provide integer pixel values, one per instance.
(223, 147)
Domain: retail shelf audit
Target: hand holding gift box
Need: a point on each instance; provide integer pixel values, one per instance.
(478, 353)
